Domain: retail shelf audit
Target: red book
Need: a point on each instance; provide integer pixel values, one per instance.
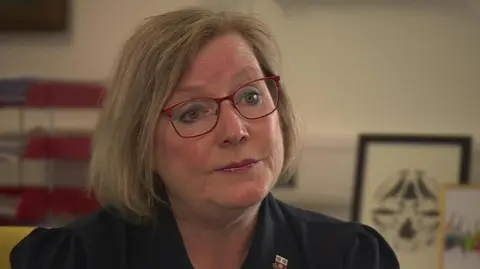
(43, 146)
(73, 201)
(34, 205)
(64, 95)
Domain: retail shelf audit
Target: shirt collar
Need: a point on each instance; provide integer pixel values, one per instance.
(163, 246)
(273, 237)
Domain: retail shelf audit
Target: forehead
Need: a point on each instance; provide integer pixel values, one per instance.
(223, 57)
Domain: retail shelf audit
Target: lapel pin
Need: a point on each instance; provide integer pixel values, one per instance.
(280, 262)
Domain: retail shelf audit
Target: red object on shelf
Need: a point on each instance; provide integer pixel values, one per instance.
(64, 95)
(32, 207)
(45, 146)
(72, 201)
(36, 203)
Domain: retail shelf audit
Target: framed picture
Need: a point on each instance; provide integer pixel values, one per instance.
(459, 233)
(397, 188)
(33, 15)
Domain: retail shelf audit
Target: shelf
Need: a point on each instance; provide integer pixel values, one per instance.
(43, 159)
(49, 94)
(43, 145)
(43, 173)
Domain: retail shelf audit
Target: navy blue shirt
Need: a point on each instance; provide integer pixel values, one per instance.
(300, 238)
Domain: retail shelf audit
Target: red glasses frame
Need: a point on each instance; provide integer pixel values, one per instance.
(168, 110)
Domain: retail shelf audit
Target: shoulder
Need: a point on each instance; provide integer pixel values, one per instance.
(331, 243)
(70, 246)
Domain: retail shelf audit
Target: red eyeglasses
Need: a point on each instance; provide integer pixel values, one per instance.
(253, 100)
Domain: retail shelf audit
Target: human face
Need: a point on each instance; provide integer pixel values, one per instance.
(189, 167)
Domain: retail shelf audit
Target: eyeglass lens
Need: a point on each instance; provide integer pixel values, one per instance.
(199, 116)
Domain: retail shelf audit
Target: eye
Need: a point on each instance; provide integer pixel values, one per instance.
(192, 112)
(250, 96)
(190, 115)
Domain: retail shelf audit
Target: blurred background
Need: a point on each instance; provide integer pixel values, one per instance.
(350, 66)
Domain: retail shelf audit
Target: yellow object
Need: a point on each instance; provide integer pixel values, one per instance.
(9, 237)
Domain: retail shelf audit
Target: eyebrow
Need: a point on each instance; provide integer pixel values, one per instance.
(247, 72)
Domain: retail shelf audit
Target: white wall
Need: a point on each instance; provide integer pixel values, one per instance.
(349, 67)
(89, 50)
(374, 67)
(381, 67)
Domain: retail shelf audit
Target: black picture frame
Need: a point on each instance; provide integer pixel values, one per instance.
(365, 140)
(397, 189)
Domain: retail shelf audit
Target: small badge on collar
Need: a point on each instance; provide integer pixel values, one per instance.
(280, 262)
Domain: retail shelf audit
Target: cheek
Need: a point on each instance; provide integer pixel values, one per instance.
(175, 156)
(272, 136)
(270, 128)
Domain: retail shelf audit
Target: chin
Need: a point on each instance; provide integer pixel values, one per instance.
(242, 197)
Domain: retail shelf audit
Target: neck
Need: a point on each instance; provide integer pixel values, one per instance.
(212, 241)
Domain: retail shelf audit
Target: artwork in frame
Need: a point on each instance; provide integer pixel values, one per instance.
(459, 233)
(33, 15)
(397, 187)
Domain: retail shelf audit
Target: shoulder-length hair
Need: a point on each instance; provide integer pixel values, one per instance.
(151, 64)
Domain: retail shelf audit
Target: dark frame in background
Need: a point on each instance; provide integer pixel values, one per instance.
(33, 16)
(365, 140)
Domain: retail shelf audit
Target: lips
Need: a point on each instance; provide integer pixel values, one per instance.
(244, 164)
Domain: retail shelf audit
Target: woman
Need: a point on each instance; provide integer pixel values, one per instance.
(195, 132)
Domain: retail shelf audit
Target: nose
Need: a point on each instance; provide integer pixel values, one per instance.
(231, 128)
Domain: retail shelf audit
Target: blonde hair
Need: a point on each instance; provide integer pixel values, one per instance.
(151, 63)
